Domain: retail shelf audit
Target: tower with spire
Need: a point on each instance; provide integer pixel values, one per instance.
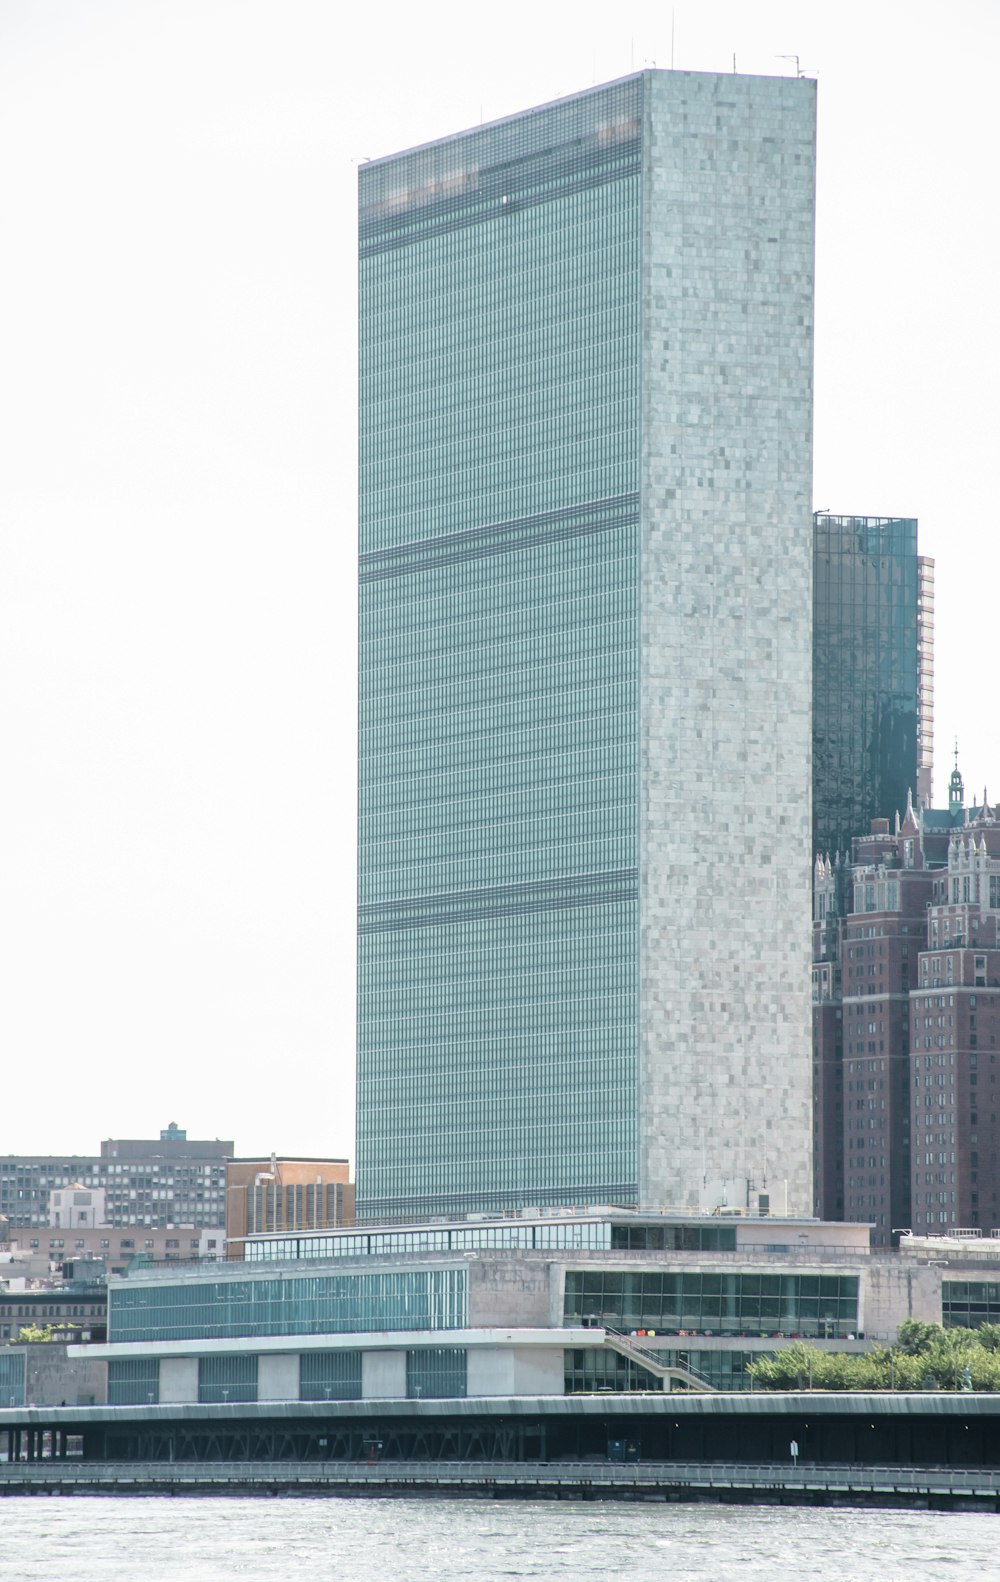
(956, 789)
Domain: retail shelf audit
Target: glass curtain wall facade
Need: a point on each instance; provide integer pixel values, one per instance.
(330, 1376)
(479, 1238)
(584, 501)
(968, 1304)
(223, 1379)
(866, 694)
(589, 1369)
(823, 1306)
(316, 1304)
(12, 1374)
(133, 1381)
(436, 1371)
(498, 609)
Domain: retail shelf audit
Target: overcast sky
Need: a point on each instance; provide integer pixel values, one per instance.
(177, 432)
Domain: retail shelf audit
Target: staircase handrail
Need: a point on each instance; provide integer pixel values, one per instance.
(657, 1357)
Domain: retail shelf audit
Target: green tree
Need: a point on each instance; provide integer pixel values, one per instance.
(926, 1355)
(39, 1334)
(915, 1337)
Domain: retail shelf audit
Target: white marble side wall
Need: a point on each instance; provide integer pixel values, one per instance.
(726, 642)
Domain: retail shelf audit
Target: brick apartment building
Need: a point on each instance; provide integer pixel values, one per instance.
(906, 996)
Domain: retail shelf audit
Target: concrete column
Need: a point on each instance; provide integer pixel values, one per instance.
(538, 1370)
(490, 1370)
(278, 1377)
(383, 1375)
(178, 1379)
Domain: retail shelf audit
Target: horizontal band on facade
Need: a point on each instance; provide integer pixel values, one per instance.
(623, 1194)
(378, 1340)
(499, 538)
(430, 911)
(498, 192)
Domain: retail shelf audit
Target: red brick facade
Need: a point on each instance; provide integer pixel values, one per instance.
(906, 1018)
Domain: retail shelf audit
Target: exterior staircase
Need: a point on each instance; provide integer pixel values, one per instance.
(670, 1374)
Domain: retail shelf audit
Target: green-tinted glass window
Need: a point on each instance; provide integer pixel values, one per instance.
(330, 1376)
(718, 1303)
(498, 664)
(133, 1381)
(346, 1303)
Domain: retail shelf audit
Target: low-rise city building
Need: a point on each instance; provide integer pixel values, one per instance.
(117, 1248)
(78, 1311)
(279, 1194)
(171, 1180)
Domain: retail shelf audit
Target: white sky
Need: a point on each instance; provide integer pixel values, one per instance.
(177, 481)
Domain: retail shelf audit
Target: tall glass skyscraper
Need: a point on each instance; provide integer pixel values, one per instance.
(873, 695)
(585, 554)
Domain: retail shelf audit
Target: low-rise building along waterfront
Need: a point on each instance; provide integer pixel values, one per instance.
(526, 1304)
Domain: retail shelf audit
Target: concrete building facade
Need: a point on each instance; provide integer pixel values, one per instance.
(146, 1182)
(42, 1374)
(585, 635)
(77, 1207)
(49, 1249)
(83, 1308)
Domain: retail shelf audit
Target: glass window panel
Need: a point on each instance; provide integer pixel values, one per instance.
(436, 1371)
(232, 1378)
(330, 1375)
(196, 1309)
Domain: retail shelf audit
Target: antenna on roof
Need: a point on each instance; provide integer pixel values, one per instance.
(795, 58)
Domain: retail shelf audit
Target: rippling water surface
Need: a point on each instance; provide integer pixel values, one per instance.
(401, 1540)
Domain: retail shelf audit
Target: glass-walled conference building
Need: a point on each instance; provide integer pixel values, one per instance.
(536, 1305)
(567, 1302)
(585, 543)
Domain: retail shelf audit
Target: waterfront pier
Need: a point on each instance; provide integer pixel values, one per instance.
(930, 1449)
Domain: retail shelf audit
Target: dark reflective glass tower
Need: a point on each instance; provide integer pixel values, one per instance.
(870, 658)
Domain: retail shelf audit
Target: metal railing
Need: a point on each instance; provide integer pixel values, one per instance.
(693, 1475)
(626, 1345)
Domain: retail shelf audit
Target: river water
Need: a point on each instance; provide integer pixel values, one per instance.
(93, 1539)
